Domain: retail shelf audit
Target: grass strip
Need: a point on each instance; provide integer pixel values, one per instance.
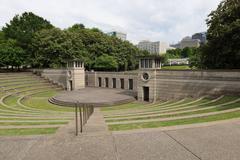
(221, 108)
(180, 108)
(27, 131)
(34, 102)
(182, 67)
(224, 116)
(30, 123)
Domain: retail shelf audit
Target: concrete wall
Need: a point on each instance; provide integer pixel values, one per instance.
(92, 79)
(180, 84)
(163, 84)
(57, 76)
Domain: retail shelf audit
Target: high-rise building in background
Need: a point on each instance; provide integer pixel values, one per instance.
(120, 35)
(202, 36)
(195, 41)
(189, 42)
(154, 47)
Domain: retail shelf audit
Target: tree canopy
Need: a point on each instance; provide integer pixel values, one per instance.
(44, 45)
(223, 48)
(181, 53)
(53, 47)
(11, 54)
(23, 27)
(105, 62)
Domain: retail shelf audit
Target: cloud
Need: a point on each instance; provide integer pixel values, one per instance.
(154, 20)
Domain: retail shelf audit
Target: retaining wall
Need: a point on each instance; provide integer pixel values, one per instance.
(180, 84)
(57, 76)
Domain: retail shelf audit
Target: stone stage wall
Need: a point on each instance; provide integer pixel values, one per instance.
(57, 76)
(163, 84)
(92, 80)
(180, 84)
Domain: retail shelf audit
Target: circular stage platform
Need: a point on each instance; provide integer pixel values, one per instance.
(97, 97)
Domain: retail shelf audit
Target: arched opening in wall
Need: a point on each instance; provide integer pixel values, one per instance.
(122, 83)
(130, 84)
(146, 94)
(99, 82)
(106, 83)
(114, 83)
(70, 85)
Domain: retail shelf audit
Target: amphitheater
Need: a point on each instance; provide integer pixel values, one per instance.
(179, 109)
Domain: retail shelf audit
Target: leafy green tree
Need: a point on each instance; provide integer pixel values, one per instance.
(46, 46)
(22, 28)
(11, 54)
(180, 53)
(53, 47)
(1, 36)
(105, 62)
(223, 48)
(186, 52)
(97, 44)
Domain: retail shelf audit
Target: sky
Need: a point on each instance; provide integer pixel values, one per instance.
(154, 20)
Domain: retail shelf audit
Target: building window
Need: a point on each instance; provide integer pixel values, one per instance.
(114, 83)
(146, 63)
(142, 63)
(106, 83)
(157, 63)
(99, 82)
(122, 83)
(150, 63)
(130, 84)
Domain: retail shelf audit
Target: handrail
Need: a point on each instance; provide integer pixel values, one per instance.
(85, 111)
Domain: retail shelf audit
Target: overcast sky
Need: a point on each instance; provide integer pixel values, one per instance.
(163, 20)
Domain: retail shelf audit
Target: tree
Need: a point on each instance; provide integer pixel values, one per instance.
(186, 52)
(1, 36)
(180, 53)
(105, 62)
(223, 48)
(97, 44)
(53, 47)
(11, 54)
(22, 28)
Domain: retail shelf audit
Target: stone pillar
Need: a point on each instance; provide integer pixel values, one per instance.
(75, 75)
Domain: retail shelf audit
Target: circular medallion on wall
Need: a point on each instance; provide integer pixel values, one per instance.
(145, 76)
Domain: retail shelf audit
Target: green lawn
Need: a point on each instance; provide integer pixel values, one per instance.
(224, 116)
(184, 67)
(35, 102)
(31, 123)
(36, 111)
(27, 131)
(47, 94)
(120, 107)
(158, 109)
(196, 108)
(215, 109)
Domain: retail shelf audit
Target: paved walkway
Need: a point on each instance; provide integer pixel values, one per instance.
(215, 142)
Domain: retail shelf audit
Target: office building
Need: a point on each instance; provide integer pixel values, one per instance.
(202, 36)
(189, 42)
(154, 47)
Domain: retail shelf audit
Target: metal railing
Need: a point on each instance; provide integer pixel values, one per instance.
(82, 114)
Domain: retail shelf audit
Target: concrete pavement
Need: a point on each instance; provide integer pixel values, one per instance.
(216, 142)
